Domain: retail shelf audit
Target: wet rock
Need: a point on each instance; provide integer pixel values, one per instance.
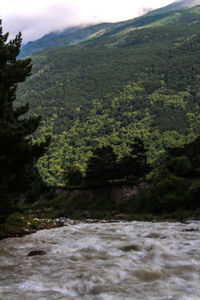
(155, 235)
(26, 230)
(130, 247)
(191, 230)
(67, 222)
(148, 274)
(36, 252)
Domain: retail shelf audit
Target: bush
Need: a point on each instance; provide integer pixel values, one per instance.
(179, 166)
(16, 220)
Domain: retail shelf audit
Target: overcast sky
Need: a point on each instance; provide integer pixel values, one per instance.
(38, 17)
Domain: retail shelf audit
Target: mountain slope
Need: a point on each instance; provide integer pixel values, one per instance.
(69, 36)
(177, 5)
(79, 34)
(134, 82)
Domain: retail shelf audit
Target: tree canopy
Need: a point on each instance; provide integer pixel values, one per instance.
(134, 166)
(104, 165)
(101, 165)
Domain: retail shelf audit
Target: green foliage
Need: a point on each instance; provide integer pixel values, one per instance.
(101, 166)
(169, 193)
(134, 166)
(73, 174)
(193, 196)
(180, 166)
(104, 167)
(126, 83)
(18, 152)
(175, 183)
(191, 152)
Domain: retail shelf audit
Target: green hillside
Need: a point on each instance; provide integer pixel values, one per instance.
(129, 82)
(73, 35)
(177, 5)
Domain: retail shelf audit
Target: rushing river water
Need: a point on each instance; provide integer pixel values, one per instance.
(104, 261)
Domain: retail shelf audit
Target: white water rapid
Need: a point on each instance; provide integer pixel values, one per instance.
(104, 261)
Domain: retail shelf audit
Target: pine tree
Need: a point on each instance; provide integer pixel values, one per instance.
(18, 152)
(101, 166)
(134, 166)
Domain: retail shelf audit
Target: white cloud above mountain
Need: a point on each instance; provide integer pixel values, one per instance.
(36, 18)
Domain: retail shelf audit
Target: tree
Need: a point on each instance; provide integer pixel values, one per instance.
(73, 174)
(134, 166)
(101, 166)
(18, 152)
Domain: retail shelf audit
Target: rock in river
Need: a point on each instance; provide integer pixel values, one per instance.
(36, 252)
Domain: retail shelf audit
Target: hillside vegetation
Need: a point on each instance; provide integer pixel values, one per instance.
(140, 79)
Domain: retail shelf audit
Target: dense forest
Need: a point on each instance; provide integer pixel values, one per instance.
(132, 83)
(172, 188)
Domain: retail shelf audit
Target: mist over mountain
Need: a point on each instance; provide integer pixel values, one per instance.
(79, 34)
(72, 35)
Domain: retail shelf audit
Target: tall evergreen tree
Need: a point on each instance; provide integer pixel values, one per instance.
(134, 166)
(101, 166)
(18, 152)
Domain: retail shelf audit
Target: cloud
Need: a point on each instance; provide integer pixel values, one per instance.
(35, 24)
(144, 10)
(38, 17)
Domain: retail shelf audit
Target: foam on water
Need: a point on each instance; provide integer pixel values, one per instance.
(104, 261)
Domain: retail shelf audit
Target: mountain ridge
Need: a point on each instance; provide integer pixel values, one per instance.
(79, 34)
(177, 5)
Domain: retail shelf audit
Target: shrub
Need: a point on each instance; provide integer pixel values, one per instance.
(179, 166)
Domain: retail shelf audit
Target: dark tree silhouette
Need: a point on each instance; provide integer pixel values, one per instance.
(134, 166)
(18, 152)
(101, 166)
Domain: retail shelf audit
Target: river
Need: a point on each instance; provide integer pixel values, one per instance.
(104, 261)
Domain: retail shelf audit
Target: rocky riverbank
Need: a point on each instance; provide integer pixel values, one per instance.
(18, 226)
(62, 206)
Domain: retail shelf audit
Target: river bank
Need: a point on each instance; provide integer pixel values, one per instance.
(19, 226)
(61, 206)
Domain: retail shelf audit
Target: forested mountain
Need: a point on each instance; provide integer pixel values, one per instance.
(139, 79)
